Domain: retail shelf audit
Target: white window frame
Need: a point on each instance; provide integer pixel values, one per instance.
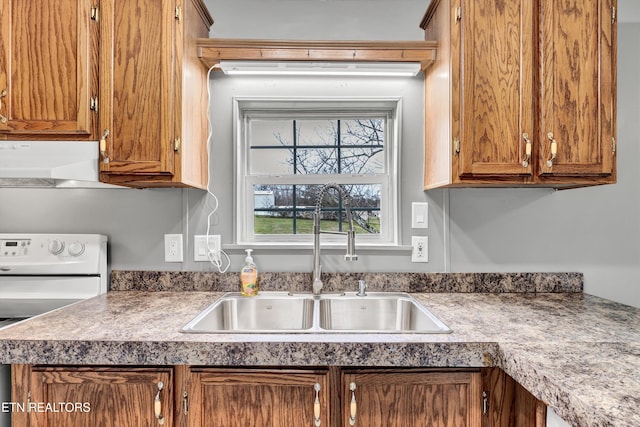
(245, 107)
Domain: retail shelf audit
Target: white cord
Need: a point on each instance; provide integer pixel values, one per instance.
(216, 262)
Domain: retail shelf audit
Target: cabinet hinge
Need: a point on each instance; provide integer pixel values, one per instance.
(613, 14)
(178, 12)
(94, 13)
(456, 146)
(176, 144)
(613, 145)
(458, 14)
(185, 402)
(93, 104)
(485, 403)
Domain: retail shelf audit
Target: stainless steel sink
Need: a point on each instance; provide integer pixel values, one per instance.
(379, 312)
(268, 312)
(282, 312)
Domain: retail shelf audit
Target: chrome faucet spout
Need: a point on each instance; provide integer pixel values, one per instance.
(351, 234)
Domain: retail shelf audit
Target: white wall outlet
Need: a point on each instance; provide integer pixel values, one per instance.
(419, 215)
(420, 251)
(173, 248)
(202, 248)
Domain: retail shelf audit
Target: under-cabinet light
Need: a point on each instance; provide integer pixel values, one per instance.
(304, 68)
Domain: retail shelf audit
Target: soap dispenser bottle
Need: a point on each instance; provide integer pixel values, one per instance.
(249, 276)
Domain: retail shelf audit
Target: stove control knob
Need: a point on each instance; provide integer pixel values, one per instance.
(76, 248)
(56, 247)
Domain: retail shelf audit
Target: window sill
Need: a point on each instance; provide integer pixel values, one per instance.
(308, 247)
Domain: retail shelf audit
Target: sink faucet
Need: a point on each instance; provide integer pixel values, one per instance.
(362, 286)
(351, 234)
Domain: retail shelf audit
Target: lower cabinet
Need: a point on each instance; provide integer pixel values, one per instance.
(193, 396)
(507, 404)
(92, 396)
(258, 398)
(411, 398)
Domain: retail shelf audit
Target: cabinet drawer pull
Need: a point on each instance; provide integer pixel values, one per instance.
(316, 406)
(157, 404)
(554, 149)
(353, 407)
(103, 147)
(3, 118)
(527, 150)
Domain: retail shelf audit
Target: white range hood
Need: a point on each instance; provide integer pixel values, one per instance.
(49, 164)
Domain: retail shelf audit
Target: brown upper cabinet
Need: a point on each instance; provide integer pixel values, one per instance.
(521, 93)
(153, 91)
(48, 70)
(126, 72)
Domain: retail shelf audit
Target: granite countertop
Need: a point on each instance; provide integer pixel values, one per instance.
(578, 353)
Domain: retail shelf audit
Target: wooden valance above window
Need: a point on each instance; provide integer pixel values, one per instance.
(212, 51)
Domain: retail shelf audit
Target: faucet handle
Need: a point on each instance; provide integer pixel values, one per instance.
(362, 285)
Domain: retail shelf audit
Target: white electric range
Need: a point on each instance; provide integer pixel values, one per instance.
(44, 272)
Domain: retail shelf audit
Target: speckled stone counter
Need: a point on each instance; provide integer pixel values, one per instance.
(578, 353)
(587, 383)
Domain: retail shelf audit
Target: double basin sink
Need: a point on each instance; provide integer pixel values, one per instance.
(282, 312)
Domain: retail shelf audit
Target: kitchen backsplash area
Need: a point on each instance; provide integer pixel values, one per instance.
(569, 282)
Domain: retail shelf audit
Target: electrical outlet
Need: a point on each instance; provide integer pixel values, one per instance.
(420, 251)
(173, 248)
(201, 248)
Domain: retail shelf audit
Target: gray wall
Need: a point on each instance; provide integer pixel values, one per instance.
(318, 19)
(593, 230)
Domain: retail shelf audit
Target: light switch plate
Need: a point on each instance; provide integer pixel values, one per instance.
(201, 248)
(419, 215)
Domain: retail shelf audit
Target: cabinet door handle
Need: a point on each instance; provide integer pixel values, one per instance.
(103, 147)
(353, 406)
(3, 118)
(316, 406)
(554, 149)
(527, 150)
(157, 404)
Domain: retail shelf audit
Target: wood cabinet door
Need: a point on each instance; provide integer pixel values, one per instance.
(257, 398)
(105, 397)
(496, 89)
(137, 85)
(48, 69)
(577, 88)
(406, 398)
(509, 404)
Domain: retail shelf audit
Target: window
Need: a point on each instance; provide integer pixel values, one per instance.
(288, 149)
